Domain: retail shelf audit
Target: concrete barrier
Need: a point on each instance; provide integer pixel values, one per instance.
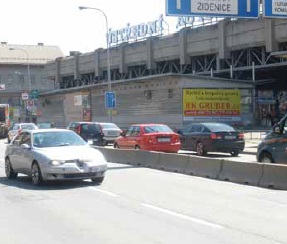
(274, 176)
(172, 162)
(241, 172)
(264, 175)
(204, 167)
(148, 159)
(123, 156)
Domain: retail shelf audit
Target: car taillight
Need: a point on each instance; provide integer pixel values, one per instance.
(175, 139)
(241, 135)
(78, 129)
(151, 139)
(214, 136)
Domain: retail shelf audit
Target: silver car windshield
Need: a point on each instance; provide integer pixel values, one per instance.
(56, 139)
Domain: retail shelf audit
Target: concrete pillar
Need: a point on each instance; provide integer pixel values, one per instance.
(184, 59)
(122, 66)
(149, 50)
(76, 66)
(58, 78)
(97, 62)
(221, 39)
(271, 44)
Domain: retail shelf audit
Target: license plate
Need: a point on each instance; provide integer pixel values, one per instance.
(163, 139)
(94, 169)
(230, 137)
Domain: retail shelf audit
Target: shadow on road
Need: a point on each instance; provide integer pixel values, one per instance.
(121, 166)
(210, 155)
(24, 182)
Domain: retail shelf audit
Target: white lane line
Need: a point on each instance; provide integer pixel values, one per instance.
(111, 194)
(182, 216)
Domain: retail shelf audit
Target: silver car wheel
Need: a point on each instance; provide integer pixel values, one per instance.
(8, 170)
(36, 174)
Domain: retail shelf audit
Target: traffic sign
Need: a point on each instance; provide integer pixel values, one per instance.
(34, 94)
(275, 8)
(110, 100)
(219, 8)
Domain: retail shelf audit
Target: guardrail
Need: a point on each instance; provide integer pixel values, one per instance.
(256, 174)
(254, 135)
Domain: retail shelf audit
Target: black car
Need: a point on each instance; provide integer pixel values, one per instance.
(91, 132)
(212, 137)
(273, 148)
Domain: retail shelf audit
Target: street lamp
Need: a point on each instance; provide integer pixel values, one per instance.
(108, 50)
(28, 71)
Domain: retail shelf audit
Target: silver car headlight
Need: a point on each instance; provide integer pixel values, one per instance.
(57, 162)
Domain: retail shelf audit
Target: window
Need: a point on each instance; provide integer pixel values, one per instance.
(170, 93)
(18, 139)
(26, 139)
(136, 131)
(33, 79)
(129, 131)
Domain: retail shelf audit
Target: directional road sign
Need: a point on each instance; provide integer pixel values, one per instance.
(218, 8)
(110, 100)
(275, 8)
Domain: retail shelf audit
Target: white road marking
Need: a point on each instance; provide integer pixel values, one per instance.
(111, 194)
(182, 216)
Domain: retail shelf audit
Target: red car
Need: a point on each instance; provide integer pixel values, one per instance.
(151, 137)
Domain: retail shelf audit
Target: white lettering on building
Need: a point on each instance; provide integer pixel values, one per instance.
(133, 33)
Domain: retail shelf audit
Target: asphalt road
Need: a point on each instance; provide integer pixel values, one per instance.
(140, 206)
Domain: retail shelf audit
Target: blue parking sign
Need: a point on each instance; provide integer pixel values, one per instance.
(110, 100)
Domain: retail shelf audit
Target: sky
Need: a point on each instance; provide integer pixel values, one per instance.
(61, 23)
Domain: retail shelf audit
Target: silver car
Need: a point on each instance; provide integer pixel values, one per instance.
(111, 132)
(53, 154)
(18, 127)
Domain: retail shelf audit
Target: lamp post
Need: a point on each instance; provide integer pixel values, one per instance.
(28, 72)
(108, 50)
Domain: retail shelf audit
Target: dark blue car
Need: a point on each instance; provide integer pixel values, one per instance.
(273, 148)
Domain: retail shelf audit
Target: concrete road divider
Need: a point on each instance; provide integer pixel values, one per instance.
(204, 167)
(241, 172)
(274, 176)
(119, 155)
(172, 162)
(133, 157)
(264, 175)
(148, 159)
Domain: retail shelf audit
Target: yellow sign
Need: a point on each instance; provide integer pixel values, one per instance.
(211, 102)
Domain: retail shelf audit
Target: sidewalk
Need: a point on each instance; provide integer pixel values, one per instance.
(251, 146)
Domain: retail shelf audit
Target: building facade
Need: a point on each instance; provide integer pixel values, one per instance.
(22, 77)
(241, 49)
(153, 99)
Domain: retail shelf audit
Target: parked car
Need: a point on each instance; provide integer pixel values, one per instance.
(111, 132)
(53, 154)
(45, 125)
(212, 137)
(91, 132)
(18, 127)
(273, 147)
(152, 137)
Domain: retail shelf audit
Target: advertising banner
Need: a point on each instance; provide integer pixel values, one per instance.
(211, 104)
